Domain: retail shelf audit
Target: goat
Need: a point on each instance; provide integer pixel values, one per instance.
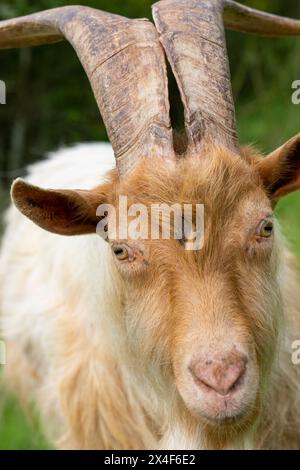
(134, 344)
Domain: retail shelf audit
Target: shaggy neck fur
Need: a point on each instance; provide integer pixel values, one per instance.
(74, 353)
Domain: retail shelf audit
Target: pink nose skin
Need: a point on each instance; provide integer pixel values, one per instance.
(223, 374)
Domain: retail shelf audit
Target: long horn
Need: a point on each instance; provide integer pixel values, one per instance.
(248, 20)
(193, 36)
(125, 64)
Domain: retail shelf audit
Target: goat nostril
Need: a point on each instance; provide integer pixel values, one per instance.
(223, 375)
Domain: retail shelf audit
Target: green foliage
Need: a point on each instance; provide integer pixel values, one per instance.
(17, 431)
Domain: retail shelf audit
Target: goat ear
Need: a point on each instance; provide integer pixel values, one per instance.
(280, 171)
(63, 211)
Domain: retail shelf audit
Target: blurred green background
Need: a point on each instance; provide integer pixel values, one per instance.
(50, 104)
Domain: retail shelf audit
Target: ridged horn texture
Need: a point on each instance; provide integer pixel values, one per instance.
(192, 34)
(126, 67)
(125, 64)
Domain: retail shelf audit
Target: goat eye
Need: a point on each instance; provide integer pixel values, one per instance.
(265, 228)
(121, 252)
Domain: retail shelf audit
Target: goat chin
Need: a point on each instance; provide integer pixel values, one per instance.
(67, 349)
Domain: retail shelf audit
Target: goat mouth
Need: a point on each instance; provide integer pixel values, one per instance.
(233, 408)
(222, 410)
(232, 420)
(235, 387)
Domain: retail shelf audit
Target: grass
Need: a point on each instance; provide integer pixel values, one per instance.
(17, 431)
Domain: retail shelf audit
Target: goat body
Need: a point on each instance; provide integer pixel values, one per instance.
(70, 350)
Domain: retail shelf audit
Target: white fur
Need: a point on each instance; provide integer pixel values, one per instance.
(44, 265)
(45, 278)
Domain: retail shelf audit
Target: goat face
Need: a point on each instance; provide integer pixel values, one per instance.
(210, 318)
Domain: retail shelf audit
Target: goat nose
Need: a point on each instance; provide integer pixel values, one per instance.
(222, 374)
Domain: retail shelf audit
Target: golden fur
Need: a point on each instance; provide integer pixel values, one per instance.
(126, 391)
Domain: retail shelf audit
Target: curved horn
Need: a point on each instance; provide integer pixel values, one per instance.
(193, 36)
(248, 20)
(125, 64)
